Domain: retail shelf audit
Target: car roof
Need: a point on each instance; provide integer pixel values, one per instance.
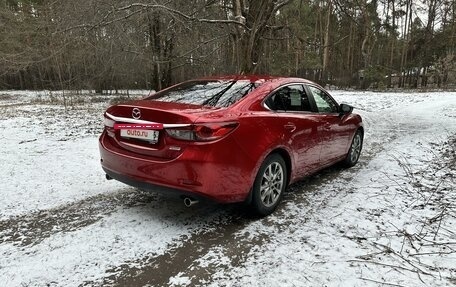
(255, 78)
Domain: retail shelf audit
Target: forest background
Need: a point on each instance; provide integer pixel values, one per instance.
(124, 44)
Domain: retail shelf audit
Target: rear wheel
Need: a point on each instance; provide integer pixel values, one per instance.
(270, 184)
(355, 149)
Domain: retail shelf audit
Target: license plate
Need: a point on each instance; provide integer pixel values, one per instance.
(146, 135)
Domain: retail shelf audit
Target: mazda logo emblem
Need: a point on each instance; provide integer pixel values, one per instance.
(136, 113)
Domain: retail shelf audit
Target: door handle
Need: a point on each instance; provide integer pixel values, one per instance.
(290, 126)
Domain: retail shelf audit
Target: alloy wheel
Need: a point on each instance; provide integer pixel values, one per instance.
(271, 184)
(355, 148)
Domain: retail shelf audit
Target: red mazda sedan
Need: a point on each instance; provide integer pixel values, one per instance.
(229, 139)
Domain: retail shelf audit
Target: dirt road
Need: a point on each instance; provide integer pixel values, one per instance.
(388, 220)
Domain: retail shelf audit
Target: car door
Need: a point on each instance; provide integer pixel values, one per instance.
(335, 135)
(300, 126)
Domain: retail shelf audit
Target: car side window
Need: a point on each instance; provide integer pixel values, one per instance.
(289, 98)
(323, 101)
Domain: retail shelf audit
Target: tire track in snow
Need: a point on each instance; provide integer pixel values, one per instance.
(31, 229)
(187, 257)
(156, 270)
(84, 254)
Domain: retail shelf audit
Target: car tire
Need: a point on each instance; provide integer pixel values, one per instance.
(355, 149)
(270, 184)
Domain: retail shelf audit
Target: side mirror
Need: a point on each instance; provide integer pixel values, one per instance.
(345, 109)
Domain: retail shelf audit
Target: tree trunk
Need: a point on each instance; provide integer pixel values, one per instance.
(326, 44)
(393, 40)
(404, 46)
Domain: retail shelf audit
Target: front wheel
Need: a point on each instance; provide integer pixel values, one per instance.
(270, 184)
(355, 149)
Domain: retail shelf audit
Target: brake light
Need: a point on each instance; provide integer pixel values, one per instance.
(203, 132)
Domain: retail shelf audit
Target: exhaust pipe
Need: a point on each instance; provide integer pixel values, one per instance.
(108, 177)
(189, 201)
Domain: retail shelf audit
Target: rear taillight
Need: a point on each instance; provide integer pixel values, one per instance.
(203, 132)
(109, 126)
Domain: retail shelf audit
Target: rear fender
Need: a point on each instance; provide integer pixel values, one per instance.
(263, 157)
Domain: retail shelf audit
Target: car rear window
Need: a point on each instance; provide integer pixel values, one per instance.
(206, 93)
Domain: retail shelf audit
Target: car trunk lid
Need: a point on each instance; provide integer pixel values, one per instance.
(153, 142)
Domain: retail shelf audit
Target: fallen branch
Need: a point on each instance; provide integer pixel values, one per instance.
(390, 250)
(384, 264)
(381, 282)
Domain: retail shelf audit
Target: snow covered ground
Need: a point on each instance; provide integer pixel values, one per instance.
(389, 220)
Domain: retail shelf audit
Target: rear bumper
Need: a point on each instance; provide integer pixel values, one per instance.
(205, 171)
(153, 187)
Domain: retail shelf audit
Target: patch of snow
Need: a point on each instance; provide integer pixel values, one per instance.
(179, 280)
(41, 170)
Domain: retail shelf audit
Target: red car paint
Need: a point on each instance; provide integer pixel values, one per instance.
(224, 169)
